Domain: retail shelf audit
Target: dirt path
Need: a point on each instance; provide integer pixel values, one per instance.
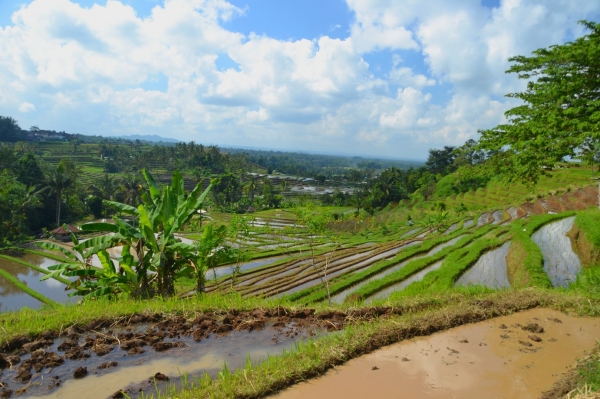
(508, 357)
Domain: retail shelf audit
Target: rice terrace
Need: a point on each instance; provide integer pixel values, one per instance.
(146, 266)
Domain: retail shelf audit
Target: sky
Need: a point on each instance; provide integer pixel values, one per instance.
(390, 78)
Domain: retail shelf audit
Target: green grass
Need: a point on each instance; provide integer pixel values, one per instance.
(415, 266)
(589, 223)
(455, 264)
(347, 281)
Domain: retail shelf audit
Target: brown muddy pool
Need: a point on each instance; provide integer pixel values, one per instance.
(121, 369)
(516, 356)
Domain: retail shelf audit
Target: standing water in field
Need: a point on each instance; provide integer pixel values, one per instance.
(13, 298)
(497, 215)
(483, 219)
(340, 297)
(405, 283)
(489, 270)
(560, 262)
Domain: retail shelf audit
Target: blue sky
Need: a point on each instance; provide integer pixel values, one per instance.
(367, 77)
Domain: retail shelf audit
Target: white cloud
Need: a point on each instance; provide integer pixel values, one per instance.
(26, 107)
(90, 70)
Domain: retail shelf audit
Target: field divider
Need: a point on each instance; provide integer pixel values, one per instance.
(379, 267)
(307, 272)
(417, 265)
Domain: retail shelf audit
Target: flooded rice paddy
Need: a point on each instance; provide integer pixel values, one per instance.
(406, 282)
(483, 219)
(498, 358)
(13, 298)
(497, 215)
(560, 261)
(489, 270)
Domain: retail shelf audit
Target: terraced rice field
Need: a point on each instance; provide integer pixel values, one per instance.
(287, 261)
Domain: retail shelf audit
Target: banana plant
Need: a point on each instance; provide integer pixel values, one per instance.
(161, 257)
(93, 281)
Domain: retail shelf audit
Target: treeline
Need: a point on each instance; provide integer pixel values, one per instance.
(447, 171)
(333, 167)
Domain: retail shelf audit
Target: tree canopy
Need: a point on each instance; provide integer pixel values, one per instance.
(560, 111)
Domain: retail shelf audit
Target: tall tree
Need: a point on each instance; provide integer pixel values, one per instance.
(9, 129)
(105, 188)
(560, 110)
(58, 181)
(441, 161)
(131, 187)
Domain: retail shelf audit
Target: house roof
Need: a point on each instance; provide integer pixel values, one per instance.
(62, 230)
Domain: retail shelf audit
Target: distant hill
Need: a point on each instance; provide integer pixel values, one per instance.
(153, 138)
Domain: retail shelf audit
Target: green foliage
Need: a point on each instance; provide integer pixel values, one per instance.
(16, 201)
(9, 129)
(589, 223)
(560, 111)
(165, 211)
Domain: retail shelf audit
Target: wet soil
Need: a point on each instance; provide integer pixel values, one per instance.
(122, 354)
(520, 355)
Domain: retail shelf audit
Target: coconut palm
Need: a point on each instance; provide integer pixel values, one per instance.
(58, 181)
(251, 186)
(131, 187)
(105, 188)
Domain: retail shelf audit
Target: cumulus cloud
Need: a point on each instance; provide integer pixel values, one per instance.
(92, 70)
(26, 107)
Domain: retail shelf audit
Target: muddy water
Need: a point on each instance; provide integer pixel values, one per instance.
(468, 223)
(489, 270)
(405, 283)
(560, 262)
(133, 372)
(50, 288)
(350, 269)
(480, 360)
(451, 228)
(513, 212)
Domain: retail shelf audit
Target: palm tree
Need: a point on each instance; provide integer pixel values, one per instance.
(284, 185)
(106, 188)
(58, 182)
(131, 187)
(251, 186)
